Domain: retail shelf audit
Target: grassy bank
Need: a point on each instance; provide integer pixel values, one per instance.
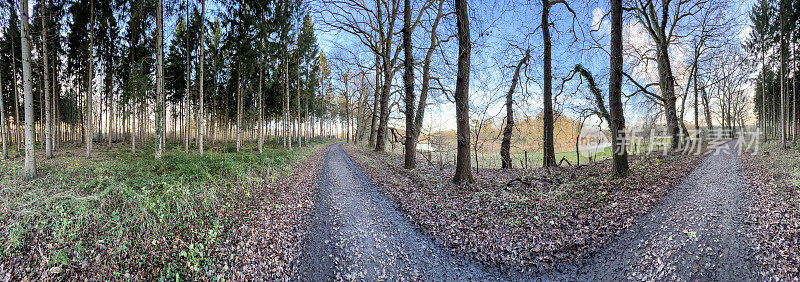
(128, 215)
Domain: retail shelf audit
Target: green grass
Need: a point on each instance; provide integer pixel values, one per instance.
(138, 207)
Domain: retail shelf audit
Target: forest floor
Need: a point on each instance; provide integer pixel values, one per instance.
(119, 215)
(677, 217)
(773, 178)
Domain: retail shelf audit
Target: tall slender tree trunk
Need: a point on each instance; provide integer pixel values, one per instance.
(55, 105)
(159, 79)
(764, 89)
(30, 162)
(549, 157)
(373, 128)
(201, 72)
(783, 75)
(299, 111)
(48, 147)
(463, 172)
(260, 108)
(239, 87)
(89, 93)
(3, 128)
(187, 100)
(17, 125)
(620, 155)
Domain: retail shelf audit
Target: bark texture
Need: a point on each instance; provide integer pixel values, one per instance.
(463, 172)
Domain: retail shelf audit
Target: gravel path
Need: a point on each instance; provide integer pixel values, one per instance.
(697, 232)
(356, 233)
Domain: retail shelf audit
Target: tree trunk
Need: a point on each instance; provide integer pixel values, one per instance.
(408, 81)
(159, 79)
(696, 107)
(187, 101)
(239, 87)
(89, 93)
(30, 162)
(17, 125)
(299, 131)
(3, 128)
(508, 131)
(201, 115)
(667, 85)
(260, 111)
(45, 68)
(463, 172)
(617, 124)
(549, 157)
(373, 128)
(707, 109)
(783, 75)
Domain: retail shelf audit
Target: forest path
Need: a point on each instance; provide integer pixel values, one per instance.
(356, 233)
(698, 231)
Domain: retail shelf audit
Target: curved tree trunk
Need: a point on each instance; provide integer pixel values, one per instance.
(505, 146)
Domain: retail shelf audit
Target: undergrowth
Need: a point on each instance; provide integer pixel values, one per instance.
(129, 212)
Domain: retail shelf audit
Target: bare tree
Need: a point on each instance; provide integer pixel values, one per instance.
(661, 19)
